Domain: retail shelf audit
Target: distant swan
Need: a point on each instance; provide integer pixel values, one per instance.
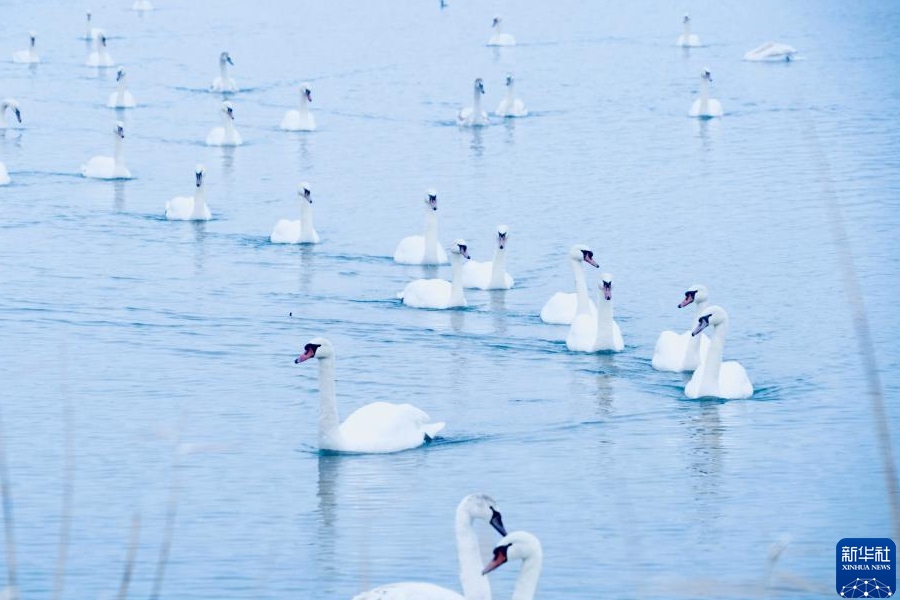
(771, 52)
(109, 167)
(378, 427)
(704, 106)
(190, 208)
(423, 249)
(600, 333)
(90, 33)
(511, 106)
(499, 38)
(490, 275)
(473, 116)
(224, 83)
(142, 5)
(301, 231)
(687, 39)
(121, 98)
(300, 120)
(439, 293)
(12, 105)
(27, 56)
(714, 378)
(99, 57)
(683, 352)
(562, 307)
(523, 546)
(4, 175)
(226, 135)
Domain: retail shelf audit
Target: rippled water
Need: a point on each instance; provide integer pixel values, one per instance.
(157, 334)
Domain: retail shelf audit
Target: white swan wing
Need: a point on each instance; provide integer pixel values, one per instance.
(669, 352)
(409, 590)
(99, 167)
(733, 381)
(582, 333)
(294, 121)
(216, 137)
(609, 340)
(286, 232)
(560, 308)
(502, 39)
(180, 208)
(427, 293)
(411, 251)
(127, 100)
(477, 274)
(223, 85)
(387, 427)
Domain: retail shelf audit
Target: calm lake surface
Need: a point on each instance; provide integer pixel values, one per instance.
(171, 344)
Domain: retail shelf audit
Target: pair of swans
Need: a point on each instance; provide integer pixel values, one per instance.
(771, 52)
(439, 293)
(705, 107)
(190, 208)
(109, 167)
(11, 105)
(224, 83)
(226, 135)
(379, 427)
(490, 275)
(121, 98)
(423, 249)
(302, 119)
(301, 231)
(678, 352)
(27, 56)
(687, 39)
(598, 331)
(499, 38)
(99, 55)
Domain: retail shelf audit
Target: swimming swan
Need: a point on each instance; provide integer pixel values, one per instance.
(190, 208)
(439, 293)
(223, 83)
(423, 249)
(490, 275)
(99, 56)
(10, 104)
(109, 167)
(27, 56)
(300, 120)
(687, 39)
(714, 378)
(705, 107)
(523, 546)
(511, 106)
(473, 116)
(562, 307)
(142, 5)
(90, 33)
(475, 585)
(771, 52)
(226, 135)
(499, 38)
(600, 333)
(301, 231)
(121, 98)
(682, 352)
(378, 427)
(4, 175)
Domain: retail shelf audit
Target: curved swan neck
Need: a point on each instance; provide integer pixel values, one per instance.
(526, 582)
(498, 268)
(456, 284)
(329, 422)
(306, 219)
(714, 356)
(475, 586)
(583, 305)
(431, 236)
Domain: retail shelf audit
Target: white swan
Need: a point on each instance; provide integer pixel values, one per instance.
(374, 428)
(687, 39)
(475, 585)
(523, 546)
(490, 275)
(99, 56)
(27, 56)
(561, 308)
(90, 33)
(224, 83)
(142, 5)
(499, 38)
(190, 208)
(600, 333)
(682, 352)
(109, 167)
(226, 135)
(121, 98)
(473, 116)
(301, 231)
(9, 104)
(771, 52)
(300, 120)
(423, 249)
(714, 378)
(511, 106)
(439, 293)
(704, 106)
(4, 175)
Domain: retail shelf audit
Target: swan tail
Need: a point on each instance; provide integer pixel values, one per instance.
(432, 429)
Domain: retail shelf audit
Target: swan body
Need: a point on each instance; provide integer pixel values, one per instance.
(27, 56)
(600, 332)
(683, 352)
(4, 175)
(490, 275)
(99, 56)
(109, 167)
(226, 135)
(687, 39)
(423, 249)
(714, 378)
(562, 307)
(190, 208)
(439, 293)
(301, 231)
(224, 83)
(142, 5)
(705, 107)
(474, 116)
(771, 52)
(90, 33)
(121, 98)
(499, 38)
(511, 106)
(520, 545)
(379, 427)
(11, 105)
(302, 119)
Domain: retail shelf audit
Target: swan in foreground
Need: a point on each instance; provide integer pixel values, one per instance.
(439, 293)
(687, 39)
(226, 135)
(9, 104)
(190, 208)
(600, 333)
(223, 83)
(520, 545)
(473, 116)
(300, 120)
(423, 249)
(27, 56)
(499, 38)
(490, 275)
(475, 584)
(714, 378)
(4, 175)
(142, 5)
(511, 106)
(90, 33)
(562, 307)
(99, 56)
(374, 428)
(121, 98)
(704, 106)
(301, 231)
(771, 52)
(109, 167)
(682, 352)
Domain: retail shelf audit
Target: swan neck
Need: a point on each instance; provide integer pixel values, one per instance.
(687, 32)
(223, 71)
(604, 315)
(583, 306)
(713, 362)
(120, 153)
(431, 236)
(498, 268)
(475, 586)
(704, 96)
(329, 422)
(199, 202)
(511, 93)
(306, 219)
(456, 284)
(476, 103)
(304, 104)
(526, 582)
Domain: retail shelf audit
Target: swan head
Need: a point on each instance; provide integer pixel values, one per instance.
(306, 91)
(496, 22)
(706, 75)
(87, 14)
(605, 285)
(510, 79)
(304, 191)
(695, 293)
(103, 39)
(714, 315)
(316, 348)
(431, 199)
(225, 58)
(460, 247)
(686, 20)
(502, 236)
(479, 85)
(198, 173)
(482, 506)
(518, 545)
(119, 130)
(228, 110)
(32, 35)
(120, 74)
(14, 105)
(583, 253)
